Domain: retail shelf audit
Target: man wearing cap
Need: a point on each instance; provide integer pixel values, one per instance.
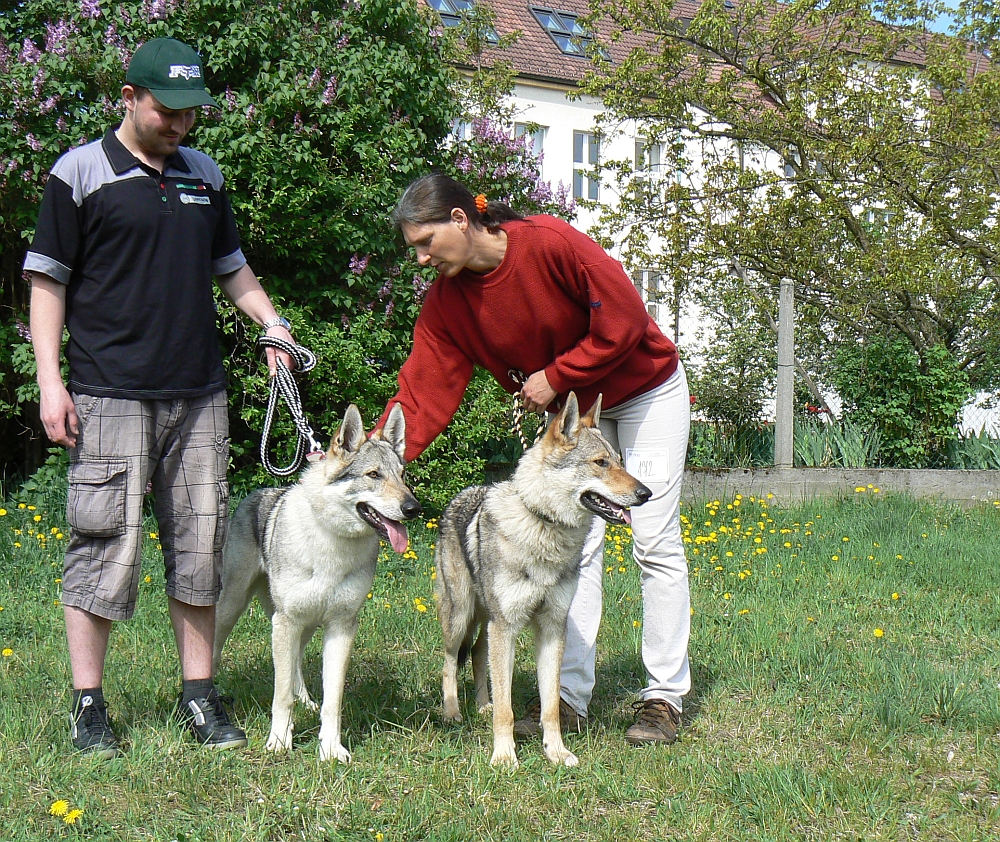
(131, 231)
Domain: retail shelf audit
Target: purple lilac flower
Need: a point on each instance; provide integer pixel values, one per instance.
(156, 10)
(331, 90)
(358, 264)
(34, 144)
(30, 54)
(61, 124)
(346, 322)
(342, 42)
(28, 175)
(38, 82)
(230, 98)
(5, 55)
(126, 18)
(385, 289)
(56, 35)
(22, 330)
(90, 9)
(297, 122)
(314, 79)
(49, 104)
(390, 308)
(251, 111)
(420, 286)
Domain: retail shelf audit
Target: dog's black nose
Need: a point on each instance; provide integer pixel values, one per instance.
(643, 493)
(411, 509)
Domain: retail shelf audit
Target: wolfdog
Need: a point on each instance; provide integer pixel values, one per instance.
(508, 555)
(308, 553)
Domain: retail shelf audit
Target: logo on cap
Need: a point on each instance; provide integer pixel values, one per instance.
(185, 71)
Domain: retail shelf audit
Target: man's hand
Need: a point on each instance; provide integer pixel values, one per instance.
(537, 393)
(278, 332)
(59, 416)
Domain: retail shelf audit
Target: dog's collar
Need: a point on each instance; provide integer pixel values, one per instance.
(539, 515)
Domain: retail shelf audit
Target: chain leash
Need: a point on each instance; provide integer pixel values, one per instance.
(283, 385)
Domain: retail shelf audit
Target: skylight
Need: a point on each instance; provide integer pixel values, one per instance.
(451, 12)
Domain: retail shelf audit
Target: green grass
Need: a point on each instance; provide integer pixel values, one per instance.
(803, 723)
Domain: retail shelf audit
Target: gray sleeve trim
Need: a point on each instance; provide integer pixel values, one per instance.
(35, 262)
(230, 263)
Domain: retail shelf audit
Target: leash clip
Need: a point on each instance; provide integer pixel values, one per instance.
(315, 456)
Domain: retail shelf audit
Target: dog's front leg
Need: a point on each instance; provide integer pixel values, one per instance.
(549, 645)
(501, 648)
(285, 652)
(338, 640)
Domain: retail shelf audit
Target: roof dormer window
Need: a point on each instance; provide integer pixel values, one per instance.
(564, 28)
(452, 12)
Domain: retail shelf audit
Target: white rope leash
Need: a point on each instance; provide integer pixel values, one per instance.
(517, 410)
(283, 385)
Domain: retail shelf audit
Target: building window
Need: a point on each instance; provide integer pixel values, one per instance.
(460, 130)
(648, 155)
(564, 28)
(586, 155)
(452, 12)
(648, 284)
(535, 132)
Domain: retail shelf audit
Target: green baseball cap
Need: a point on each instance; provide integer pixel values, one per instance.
(172, 72)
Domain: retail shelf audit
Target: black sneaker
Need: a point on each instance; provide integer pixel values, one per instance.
(92, 733)
(207, 719)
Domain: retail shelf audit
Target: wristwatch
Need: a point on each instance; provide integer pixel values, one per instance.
(275, 322)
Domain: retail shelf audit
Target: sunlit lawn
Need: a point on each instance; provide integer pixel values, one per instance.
(846, 676)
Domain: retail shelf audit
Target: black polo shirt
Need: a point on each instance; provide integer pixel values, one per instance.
(137, 251)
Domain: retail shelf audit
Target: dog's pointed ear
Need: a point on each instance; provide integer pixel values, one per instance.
(351, 434)
(565, 427)
(393, 432)
(593, 418)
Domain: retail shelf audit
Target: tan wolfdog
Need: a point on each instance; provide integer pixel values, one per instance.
(508, 556)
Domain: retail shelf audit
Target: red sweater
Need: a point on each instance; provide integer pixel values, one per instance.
(557, 302)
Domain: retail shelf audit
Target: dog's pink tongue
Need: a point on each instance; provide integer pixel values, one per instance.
(397, 534)
(626, 516)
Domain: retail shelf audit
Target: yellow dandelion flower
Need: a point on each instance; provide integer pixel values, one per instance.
(621, 569)
(835, 558)
(148, 579)
(608, 569)
(636, 624)
(73, 815)
(788, 544)
(59, 536)
(878, 633)
(59, 808)
(899, 557)
(369, 596)
(37, 518)
(876, 490)
(421, 608)
(17, 543)
(895, 595)
(845, 539)
(31, 508)
(810, 619)
(860, 490)
(3, 512)
(744, 611)
(7, 652)
(727, 595)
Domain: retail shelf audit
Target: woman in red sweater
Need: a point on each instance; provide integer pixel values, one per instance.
(537, 297)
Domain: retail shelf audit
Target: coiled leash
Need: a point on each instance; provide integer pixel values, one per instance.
(283, 385)
(517, 411)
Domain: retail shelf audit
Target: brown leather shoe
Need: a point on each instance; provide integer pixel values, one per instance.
(656, 721)
(570, 722)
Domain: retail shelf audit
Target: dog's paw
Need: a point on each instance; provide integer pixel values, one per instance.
(486, 710)
(504, 757)
(451, 715)
(333, 751)
(305, 699)
(562, 757)
(279, 742)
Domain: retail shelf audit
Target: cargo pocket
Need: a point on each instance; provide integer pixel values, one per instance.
(95, 505)
(222, 524)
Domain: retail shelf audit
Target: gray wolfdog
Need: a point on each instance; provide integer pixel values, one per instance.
(308, 552)
(508, 556)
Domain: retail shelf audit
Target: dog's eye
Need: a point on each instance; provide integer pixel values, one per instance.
(373, 474)
(601, 462)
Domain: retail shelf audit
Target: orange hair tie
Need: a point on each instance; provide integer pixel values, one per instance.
(481, 203)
